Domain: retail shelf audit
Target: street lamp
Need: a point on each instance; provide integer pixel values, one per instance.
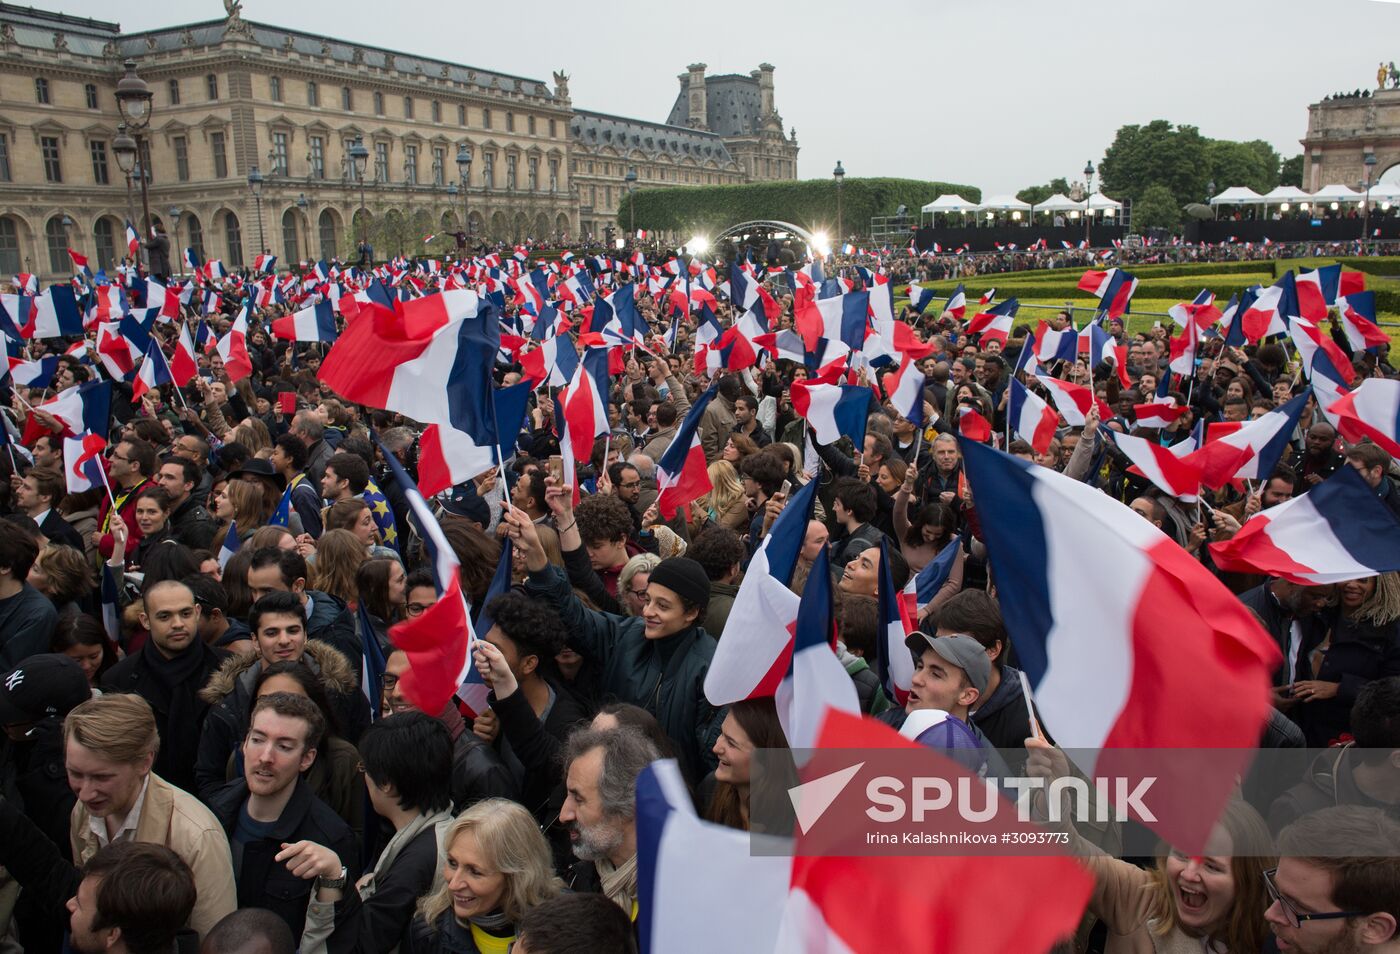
(124, 151)
(464, 172)
(255, 182)
(134, 98)
(1370, 163)
(631, 180)
(839, 174)
(1088, 198)
(174, 213)
(359, 159)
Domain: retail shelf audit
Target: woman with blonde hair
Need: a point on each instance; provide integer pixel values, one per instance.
(724, 504)
(254, 435)
(353, 514)
(243, 503)
(339, 554)
(496, 867)
(632, 582)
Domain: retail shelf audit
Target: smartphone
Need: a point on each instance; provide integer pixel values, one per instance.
(785, 488)
(556, 468)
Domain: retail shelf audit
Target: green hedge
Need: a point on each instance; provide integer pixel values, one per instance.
(1373, 266)
(810, 203)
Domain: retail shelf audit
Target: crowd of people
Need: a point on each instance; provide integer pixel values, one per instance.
(198, 754)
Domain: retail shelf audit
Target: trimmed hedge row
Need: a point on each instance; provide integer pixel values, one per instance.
(810, 203)
(1372, 266)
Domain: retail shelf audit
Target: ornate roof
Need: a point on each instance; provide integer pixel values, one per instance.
(596, 130)
(731, 106)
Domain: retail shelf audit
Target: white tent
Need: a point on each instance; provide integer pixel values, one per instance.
(1285, 194)
(1385, 191)
(1058, 203)
(1004, 203)
(1102, 202)
(950, 203)
(1237, 195)
(1338, 193)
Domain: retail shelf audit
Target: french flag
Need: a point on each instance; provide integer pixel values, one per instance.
(1113, 287)
(1358, 314)
(1309, 339)
(905, 388)
(815, 679)
(844, 318)
(995, 323)
(956, 306)
(919, 298)
(987, 296)
(82, 462)
(133, 240)
(896, 664)
(33, 374)
(154, 371)
(1371, 411)
(233, 348)
(190, 257)
(842, 900)
(1031, 418)
(1328, 385)
(584, 403)
(1051, 346)
(1317, 291)
(1175, 476)
(316, 323)
(682, 476)
(753, 656)
(185, 364)
(1337, 531)
(83, 408)
(1073, 400)
(401, 360)
(1158, 414)
(973, 425)
(554, 362)
(1201, 311)
(1165, 658)
(438, 643)
(264, 264)
(448, 456)
(1251, 450)
(833, 410)
(55, 314)
(1268, 314)
(164, 302)
(923, 586)
(231, 545)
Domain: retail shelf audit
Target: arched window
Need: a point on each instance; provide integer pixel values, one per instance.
(234, 236)
(196, 236)
(9, 247)
(289, 238)
(57, 238)
(326, 226)
(105, 245)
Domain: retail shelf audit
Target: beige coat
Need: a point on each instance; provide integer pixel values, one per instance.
(176, 819)
(1122, 897)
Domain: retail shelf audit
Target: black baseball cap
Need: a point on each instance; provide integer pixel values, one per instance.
(40, 687)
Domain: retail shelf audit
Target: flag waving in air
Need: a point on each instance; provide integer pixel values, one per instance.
(681, 473)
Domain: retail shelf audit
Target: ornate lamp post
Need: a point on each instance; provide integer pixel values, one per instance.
(464, 172)
(134, 98)
(124, 151)
(839, 174)
(1088, 198)
(1370, 163)
(359, 159)
(631, 180)
(255, 183)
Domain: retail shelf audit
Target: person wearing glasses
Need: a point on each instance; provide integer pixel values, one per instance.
(1336, 889)
(1212, 902)
(131, 465)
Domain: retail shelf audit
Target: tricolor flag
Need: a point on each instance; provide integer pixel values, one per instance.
(815, 680)
(987, 296)
(1088, 661)
(1250, 450)
(154, 371)
(439, 642)
(55, 314)
(231, 545)
(1268, 314)
(956, 305)
(681, 473)
(895, 664)
(1031, 418)
(82, 462)
(1358, 316)
(82, 408)
(905, 389)
(233, 349)
(1337, 531)
(133, 241)
(832, 410)
(1175, 476)
(1371, 411)
(32, 374)
(753, 656)
(995, 323)
(1317, 291)
(184, 365)
(314, 323)
(1073, 400)
(1328, 385)
(190, 258)
(919, 298)
(264, 264)
(1157, 414)
(1113, 287)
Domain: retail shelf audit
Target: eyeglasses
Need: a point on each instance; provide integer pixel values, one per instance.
(639, 594)
(630, 485)
(416, 609)
(1291, 914)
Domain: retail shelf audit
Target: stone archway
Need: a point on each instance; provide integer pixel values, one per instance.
(1341, 132)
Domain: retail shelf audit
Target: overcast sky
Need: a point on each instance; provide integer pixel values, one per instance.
(999, 94)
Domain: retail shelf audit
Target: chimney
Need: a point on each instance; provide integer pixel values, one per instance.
(765, 90)
(699, 108)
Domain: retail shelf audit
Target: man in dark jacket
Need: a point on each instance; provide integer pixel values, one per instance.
(312, 433)
(271, 806)
(274, 570)
(657, 661)
(37, 495)
(1318, 459)
(1365, 772)
(289, 459)
(1373, 463)
(189, 522)
(158, 253)
(853, 506)
(27, 616)
(169, 671)
(1289, 612)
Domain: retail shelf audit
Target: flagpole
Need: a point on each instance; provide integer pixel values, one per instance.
(110, 496)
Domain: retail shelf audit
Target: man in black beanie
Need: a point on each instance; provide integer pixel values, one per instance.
(658, 660)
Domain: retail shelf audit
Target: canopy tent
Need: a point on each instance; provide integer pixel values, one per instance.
(1285, 194)
(1004, 203)
(1338, 193)
(1058, 203)
(1237, 195)
(1103, 203)
(950, 203)
(1385, 191)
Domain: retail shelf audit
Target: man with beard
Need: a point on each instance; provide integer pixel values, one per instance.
(600, 808)
(134, 897)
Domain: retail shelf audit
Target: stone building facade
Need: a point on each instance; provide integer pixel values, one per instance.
(1342, 131)
(231, 95)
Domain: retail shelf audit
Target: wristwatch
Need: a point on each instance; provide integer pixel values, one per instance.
(335, 884)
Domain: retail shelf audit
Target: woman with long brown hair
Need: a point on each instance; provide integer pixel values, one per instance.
(339, 555)
(750, 724)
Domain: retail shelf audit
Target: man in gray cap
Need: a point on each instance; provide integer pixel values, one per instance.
(950, 674)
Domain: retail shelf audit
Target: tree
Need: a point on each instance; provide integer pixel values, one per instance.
(1156, 209)
(1156, 154)
(1291, 171)
(1254, 164)
(1038, 194)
